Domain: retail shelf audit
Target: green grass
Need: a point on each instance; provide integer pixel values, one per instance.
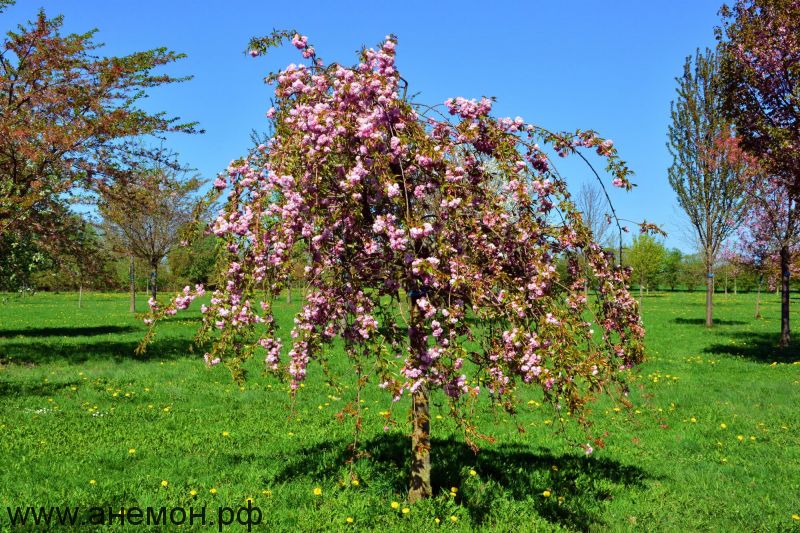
(74, 400)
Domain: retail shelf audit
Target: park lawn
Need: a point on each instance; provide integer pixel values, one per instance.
(712, 442)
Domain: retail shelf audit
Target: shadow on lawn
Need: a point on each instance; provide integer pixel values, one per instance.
(702, 322)
(504, 471)
(79, 352)
(87, 331)
(759, 347)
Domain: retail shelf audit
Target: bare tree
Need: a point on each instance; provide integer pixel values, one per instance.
(592, 203)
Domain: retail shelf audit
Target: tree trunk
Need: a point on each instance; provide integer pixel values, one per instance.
(726, 283)
(80, 295)
(153, 281)
(785, 332)
(758, 301)
(735, 292)
(132, 279)
(421, 419)
(709, 296)
(288, 293)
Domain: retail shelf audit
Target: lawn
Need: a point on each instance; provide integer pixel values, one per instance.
(712, 442)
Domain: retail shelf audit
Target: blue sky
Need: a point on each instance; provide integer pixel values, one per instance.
(608, 66)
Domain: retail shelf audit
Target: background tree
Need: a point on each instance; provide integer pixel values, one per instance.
(409, 240)
(671, 265)
(771, 235)
(67, 116)
(145, 216)
(645, 257)
(760, 51)
(195, 262)
(693, 272)
(592, 203)
(706, 178)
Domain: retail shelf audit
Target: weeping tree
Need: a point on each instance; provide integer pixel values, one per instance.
(707, 178)
(431, 274)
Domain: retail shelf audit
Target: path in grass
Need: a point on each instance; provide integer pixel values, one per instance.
(713, 441)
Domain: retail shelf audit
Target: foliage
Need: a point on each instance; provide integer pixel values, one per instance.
(760, 50)
(671, 264)
(430, 275)
(708, 170)
(195, 262)
(68, 119)
(645, 257)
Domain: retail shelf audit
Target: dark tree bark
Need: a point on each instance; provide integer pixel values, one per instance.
(785, 331)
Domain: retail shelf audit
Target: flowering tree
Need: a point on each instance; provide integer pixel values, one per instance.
(771, 236)
(760, 48)
(426, 269)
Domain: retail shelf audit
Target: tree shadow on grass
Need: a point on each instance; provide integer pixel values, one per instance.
(36, 353)
(758, 347)
(86, 331)
(508, 471)
(702, 322)
(22, 388)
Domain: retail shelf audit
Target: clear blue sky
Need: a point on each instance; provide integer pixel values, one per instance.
(608, 66)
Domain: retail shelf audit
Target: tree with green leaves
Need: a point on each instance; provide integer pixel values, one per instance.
(671, 268)
(645, 257)
(69, 117)
(705, 174)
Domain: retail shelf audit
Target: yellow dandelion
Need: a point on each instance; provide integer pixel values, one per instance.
(723, 426)
(132, 451)
(213, 490)
(406, 510)
(693, 420)
(546, 494)
(92, 482)
(436, 520)
(454, 519)
(473, 473)
(355, 483)
(796, 517)
(226, 433)
(740, 438)
(192, 493)
(453, 489)
(164, 482)
(349, 519)
(317, 491)
(266, 492)
(395, 505)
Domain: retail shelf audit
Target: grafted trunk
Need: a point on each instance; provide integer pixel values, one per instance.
(132, 279)
(420, 447)
(421, 422)
(785, 331)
